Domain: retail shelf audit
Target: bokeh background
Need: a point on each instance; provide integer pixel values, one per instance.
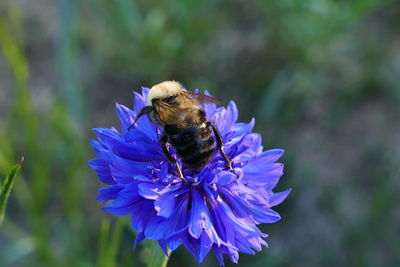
(321, 77)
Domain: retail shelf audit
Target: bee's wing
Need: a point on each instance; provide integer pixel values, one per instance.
(204, 99)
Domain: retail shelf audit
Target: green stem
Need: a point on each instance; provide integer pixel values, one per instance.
(157, 257)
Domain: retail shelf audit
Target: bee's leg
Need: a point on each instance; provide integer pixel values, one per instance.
(145, 110)
(220, 145)
(169, 157)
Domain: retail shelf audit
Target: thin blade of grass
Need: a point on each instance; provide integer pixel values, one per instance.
(109, 243)
(102, 248)
(6, 187)
(115, 241)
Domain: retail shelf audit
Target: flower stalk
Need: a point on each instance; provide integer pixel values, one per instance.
(157, 256)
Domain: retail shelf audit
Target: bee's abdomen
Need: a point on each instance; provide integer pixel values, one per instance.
(195, 146)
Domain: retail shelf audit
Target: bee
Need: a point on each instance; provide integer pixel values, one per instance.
(185, 125)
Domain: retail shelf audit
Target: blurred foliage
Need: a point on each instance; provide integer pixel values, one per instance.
(320, 76)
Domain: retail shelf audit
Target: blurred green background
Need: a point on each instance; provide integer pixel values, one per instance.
(321, 77)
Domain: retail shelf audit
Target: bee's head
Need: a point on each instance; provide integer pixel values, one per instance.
(163, 90)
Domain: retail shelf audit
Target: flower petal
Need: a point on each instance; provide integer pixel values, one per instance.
(102, 169)
(174, 242)
(198, 247)
(261, 166)
(109, 193)
(165, 204)
(149, 190)
(277, 198)
(125, 116)
(140, 219)
(198, 216)
(139, 238)
(163, 228)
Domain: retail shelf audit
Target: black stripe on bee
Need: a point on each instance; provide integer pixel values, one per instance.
(194, 146)
(199, 159)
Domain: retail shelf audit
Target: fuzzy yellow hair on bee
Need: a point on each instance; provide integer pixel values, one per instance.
(163, 90)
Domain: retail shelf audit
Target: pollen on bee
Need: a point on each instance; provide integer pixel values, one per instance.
(163, 90)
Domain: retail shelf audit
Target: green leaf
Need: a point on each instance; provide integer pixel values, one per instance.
(109, 243)
(157, 257)
(6, 188)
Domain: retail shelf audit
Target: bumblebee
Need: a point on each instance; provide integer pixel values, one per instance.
(185, 125)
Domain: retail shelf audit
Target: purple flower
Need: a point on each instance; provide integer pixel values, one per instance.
(216, 209)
